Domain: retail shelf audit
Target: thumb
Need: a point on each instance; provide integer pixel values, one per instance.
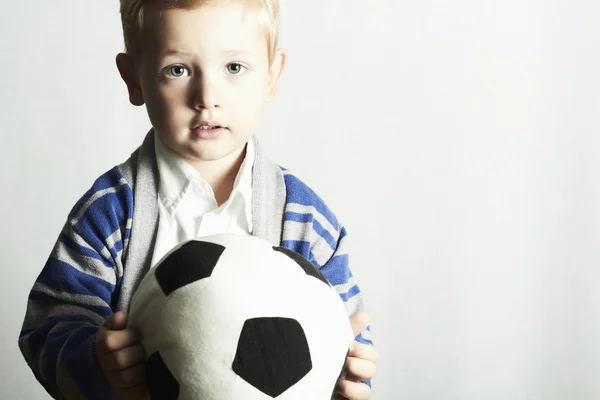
(359, 322)
(116, 322)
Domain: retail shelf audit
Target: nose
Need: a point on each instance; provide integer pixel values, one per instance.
(206, 94)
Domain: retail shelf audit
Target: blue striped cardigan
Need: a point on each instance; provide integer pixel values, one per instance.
(105, 248)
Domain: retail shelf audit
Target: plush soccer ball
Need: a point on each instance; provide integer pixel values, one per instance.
(230, 317)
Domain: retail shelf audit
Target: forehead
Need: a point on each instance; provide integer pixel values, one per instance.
(231, 26)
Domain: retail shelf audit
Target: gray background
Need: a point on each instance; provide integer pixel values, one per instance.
(454, 139)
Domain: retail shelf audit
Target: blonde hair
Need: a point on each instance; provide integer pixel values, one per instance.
(132, 18)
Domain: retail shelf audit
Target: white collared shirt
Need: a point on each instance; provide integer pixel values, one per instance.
(187, 204)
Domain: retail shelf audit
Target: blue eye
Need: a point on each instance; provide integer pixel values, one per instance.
(235, 68)
(177, 71)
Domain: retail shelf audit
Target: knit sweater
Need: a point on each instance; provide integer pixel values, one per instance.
(105, 249)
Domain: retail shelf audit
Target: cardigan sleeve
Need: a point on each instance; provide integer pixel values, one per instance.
(76, 290)
(338, 273)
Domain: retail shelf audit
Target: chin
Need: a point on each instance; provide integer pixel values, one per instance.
(210, 155)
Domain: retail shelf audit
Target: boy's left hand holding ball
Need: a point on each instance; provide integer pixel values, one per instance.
(360, 365)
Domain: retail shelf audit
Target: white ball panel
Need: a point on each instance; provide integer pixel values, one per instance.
(145, 311)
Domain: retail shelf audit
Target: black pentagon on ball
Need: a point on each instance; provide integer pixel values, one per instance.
(192, 262)
(272, 354)
(161, 382)
(306, 265)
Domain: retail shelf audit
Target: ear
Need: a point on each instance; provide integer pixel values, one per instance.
(128, 71)
(275, 72)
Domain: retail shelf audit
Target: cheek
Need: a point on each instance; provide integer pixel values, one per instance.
(164, 105)
(250, 109)
(250, 95)
(171, 95)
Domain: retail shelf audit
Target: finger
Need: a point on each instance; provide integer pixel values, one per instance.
(116, 321)
(125, 358)
(364, 351)
(109, 341)
(358, 369)
(139, 392)
(353, 390)
(359, 322)
(128, 378)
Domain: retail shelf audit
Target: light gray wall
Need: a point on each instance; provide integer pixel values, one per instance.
(458, 141)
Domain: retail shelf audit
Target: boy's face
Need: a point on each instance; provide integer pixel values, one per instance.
(203, 66)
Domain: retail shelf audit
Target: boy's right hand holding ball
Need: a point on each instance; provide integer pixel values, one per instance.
(122, 358)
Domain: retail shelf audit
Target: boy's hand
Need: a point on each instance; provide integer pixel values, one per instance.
(122, 358)
(360, 365)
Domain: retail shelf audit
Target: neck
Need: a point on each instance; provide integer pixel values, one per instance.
(221, 174)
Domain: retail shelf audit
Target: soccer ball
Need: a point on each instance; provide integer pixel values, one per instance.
(230, 317)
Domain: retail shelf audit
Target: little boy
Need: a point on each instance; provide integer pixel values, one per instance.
(204, 70)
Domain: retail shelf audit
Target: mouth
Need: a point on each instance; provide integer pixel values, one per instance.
(207, 124)
(207, 130)
(208, 127)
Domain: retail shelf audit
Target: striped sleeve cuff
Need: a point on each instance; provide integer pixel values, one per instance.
(80, 364)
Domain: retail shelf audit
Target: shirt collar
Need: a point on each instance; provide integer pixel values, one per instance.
(176, 177)
(243, 181)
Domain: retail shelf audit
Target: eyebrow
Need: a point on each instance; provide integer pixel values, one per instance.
(174, 52)
(238, 52)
